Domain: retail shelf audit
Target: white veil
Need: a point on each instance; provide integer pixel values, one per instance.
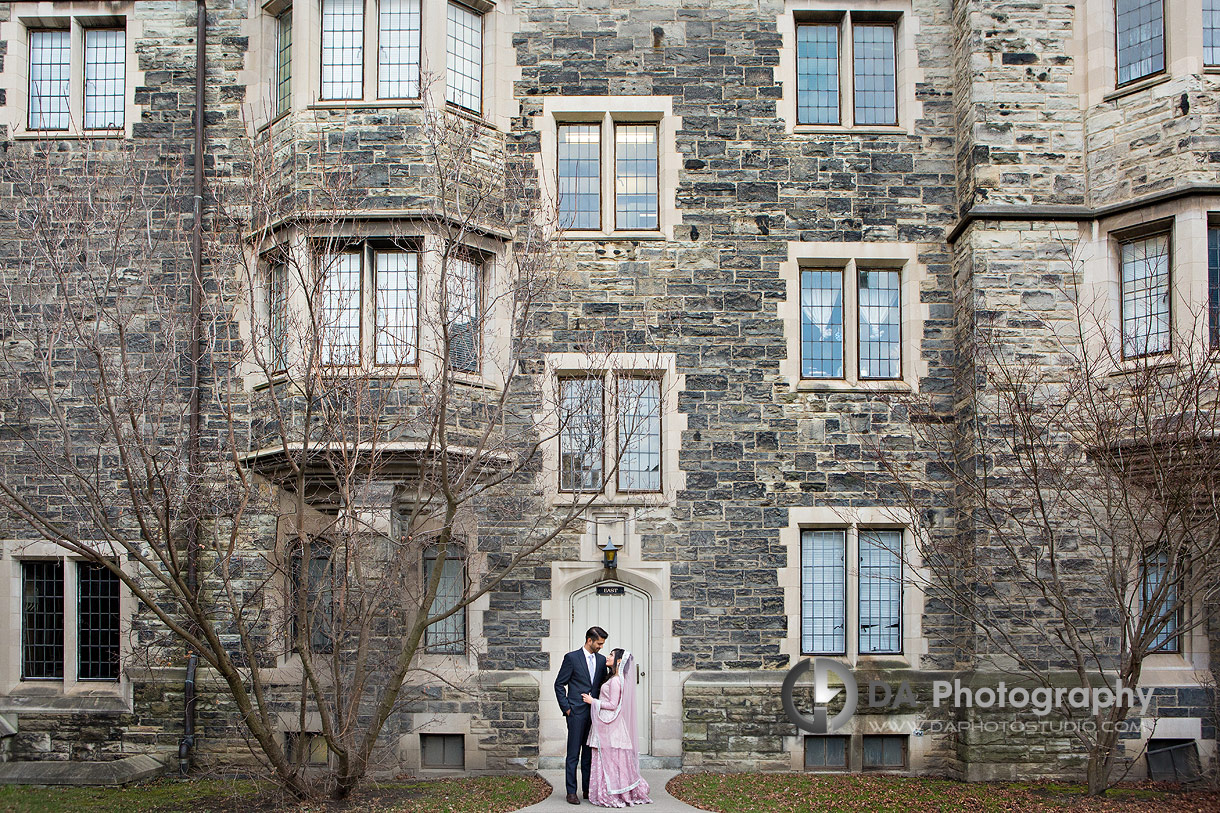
(626, 706)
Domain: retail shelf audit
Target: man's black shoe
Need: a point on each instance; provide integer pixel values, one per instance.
(572, 799)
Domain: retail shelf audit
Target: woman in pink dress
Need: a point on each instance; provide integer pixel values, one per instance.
(615, 780)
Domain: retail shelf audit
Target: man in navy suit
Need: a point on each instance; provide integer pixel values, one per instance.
(583, 671)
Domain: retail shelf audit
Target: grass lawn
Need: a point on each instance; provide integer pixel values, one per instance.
(484, 794)
(783, 793)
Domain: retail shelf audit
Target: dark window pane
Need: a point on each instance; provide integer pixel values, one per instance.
(447, 636)
(1173, 760)
(464, 318)
(884, 751)
(880, 324)
(1159, 603)
(442, 751)
(277, 315)
(317, 600)
(822, 323)
(823, 592)
(875, 74)
(1141, 39)
(283, 62)
(817, 74)
(580, 434)
(1145, 281)
(97, 630)
(826, 752)
(42, 620)
(579, 160)
(1211, 32)
(1213, 285)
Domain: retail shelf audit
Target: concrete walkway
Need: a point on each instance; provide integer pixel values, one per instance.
(662, 802)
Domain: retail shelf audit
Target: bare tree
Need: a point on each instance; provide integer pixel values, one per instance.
(1066, 514)
(373, 389)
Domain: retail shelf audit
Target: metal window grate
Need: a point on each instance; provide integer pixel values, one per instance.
(579, 163)
(277, 315)
(823, 592)
(876, 77)
(464, 317)
(97, 631)
(1159, 603)
(42, 620)
(50, 67)
(105, 75)
(635, 176)
(580, 434)
(639, 427)
(464, 78)
(880, 591)
(1145, 271)
(398, 40)
(1211, 32)
(283, 62)
(1141, 39)
(447, 636)
(340, 312)
(817, 74)
(880, 324)
(397, 309)
(1213, 286)
(442, 751)
(826, 752)
(342, 49)
(306, 748)
(822, 323)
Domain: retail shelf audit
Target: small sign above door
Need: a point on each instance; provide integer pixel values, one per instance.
(610, 590)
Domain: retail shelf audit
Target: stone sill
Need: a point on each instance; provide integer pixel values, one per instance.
(842, 386)
(64, 704)
(397, 104)
(838, 129)
(410, 373)
(69, 135)
(1143, 84)
(613, 236)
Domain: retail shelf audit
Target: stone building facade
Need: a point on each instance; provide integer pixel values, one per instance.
(947, 148)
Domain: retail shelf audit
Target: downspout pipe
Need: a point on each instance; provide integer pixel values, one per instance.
(194, 470)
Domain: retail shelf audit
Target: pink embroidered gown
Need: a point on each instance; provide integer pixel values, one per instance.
(615, 779)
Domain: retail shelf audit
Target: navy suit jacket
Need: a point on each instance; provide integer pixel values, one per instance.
(573, 680)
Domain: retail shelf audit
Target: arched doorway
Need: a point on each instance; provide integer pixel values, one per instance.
(625, 613)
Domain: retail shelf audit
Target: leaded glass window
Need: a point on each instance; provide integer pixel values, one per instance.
(283, 62)
(312, 593)
(464, 77)
(880, 324)
(1159, 603)
(579, 174)
(397, 306)
(342, 49)
(880, 591)
(398, 41)
(1145, 295)
(1211, 32)
(639, 426)
(340, 311)
(50, 70)
(821, 323)
(817, 74)
(581, 432)
(447, 636)
(105, 72)
(1213, 286)
(464, 318)
(97, 626)
(42, 620)
(823, 592)
(277, 315)
(1141, 39)
(875, 74)
(635, 176)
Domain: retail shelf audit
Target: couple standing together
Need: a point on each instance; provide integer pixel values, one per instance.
(597, 696)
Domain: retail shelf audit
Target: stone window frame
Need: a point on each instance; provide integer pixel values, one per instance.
(370, 235)
(15, 552)
(499, 61)
(853, 520)
(661, 366)
(908, 72)
(609, 111)
(1098, 256)
(75, 16)
(1095, 52)
(903, 257)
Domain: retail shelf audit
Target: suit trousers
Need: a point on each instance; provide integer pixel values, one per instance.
(579, 723)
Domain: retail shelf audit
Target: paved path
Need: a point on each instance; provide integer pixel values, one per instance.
(662, 802)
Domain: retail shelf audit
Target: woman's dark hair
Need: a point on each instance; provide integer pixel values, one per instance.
(618, 658)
